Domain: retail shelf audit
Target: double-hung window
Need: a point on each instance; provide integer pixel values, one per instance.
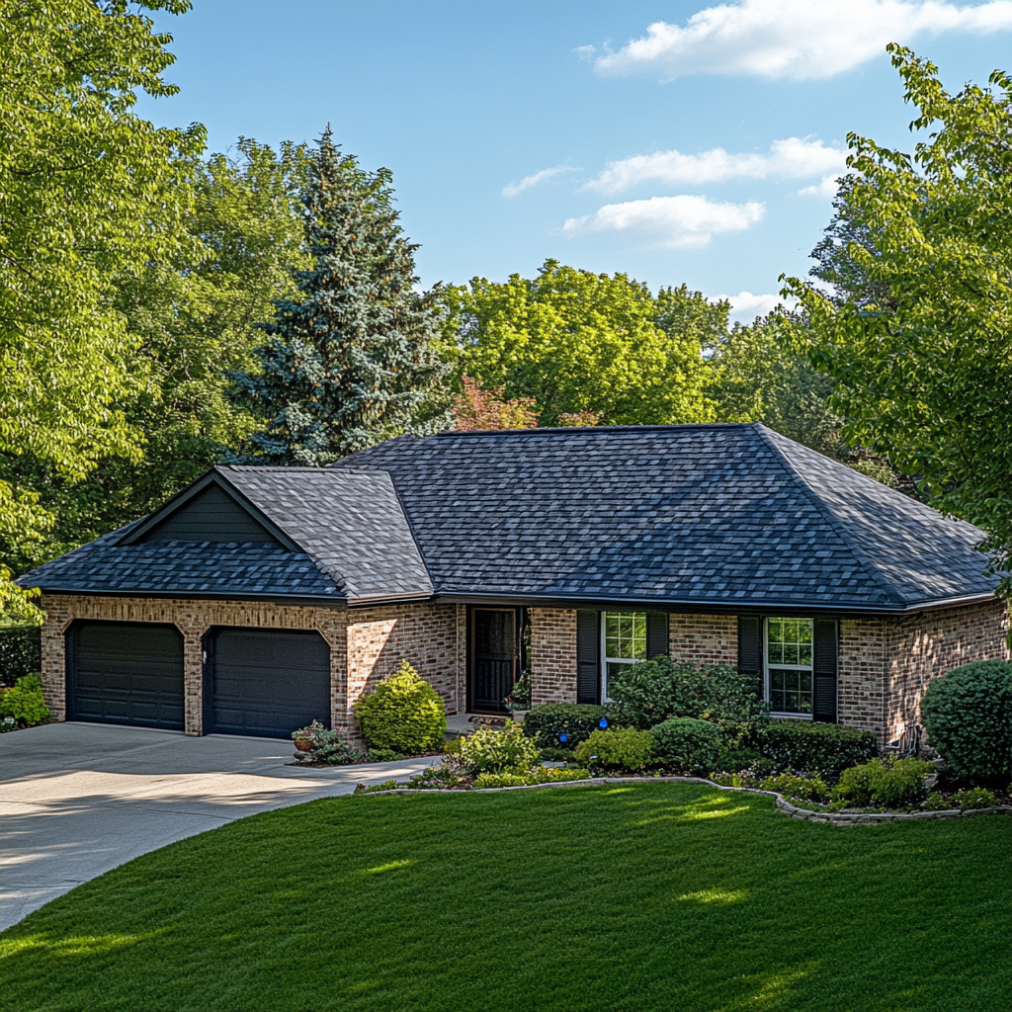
(789, 673)
(624, 636)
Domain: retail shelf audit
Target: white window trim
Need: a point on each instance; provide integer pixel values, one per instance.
(605, 660)
(781, 714)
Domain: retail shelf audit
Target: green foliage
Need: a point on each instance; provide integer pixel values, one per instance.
(936, 802)
(24, 702)
(545, 723)
(646, 694)
(687, 744)
(507, 750)
(404, 714)
(916, 339)
(812, 746)
(537, 775)
(383, 755)
(799, 788)
(967, 714)
(20, 651)
(348, 359)
(88, 194)
(974, 797)
(578, 342)
(331, 747)
(885, 784)
(621, 748)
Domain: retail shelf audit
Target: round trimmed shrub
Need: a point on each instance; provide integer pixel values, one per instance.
(968, 716)
(404, 714)
(624, 748)
(687, 743)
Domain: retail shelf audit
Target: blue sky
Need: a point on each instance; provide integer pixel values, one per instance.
(699, 150)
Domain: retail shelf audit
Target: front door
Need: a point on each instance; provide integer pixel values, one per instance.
(493, 658)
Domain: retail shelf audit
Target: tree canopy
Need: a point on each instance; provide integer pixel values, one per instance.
(925, 374)
(578, 343)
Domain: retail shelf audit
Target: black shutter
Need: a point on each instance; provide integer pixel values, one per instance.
(825, 664)
(588, 656)
(657, 634)
(750, 639)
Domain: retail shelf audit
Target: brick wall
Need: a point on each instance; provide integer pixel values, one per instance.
(704, 639)
(861, 696)
(553, 655)
(425, 635)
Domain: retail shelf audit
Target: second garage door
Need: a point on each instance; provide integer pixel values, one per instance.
(266, 682)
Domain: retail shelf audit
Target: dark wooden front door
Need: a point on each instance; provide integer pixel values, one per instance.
(493, 657)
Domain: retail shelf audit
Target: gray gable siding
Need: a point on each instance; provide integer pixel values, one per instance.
(211, 515)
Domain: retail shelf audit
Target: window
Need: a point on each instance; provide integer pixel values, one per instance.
(789, 665)
(625, 642)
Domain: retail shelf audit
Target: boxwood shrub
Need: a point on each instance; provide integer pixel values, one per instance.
(812, 747)
(404, 714)
(688, 744)
(968, 716)
(547, 722)
(624, 748)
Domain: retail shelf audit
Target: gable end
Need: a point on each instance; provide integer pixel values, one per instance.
(211, 515)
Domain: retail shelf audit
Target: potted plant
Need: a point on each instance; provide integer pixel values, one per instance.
(305, 737)
(518, 702)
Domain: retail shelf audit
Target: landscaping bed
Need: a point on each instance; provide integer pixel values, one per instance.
(633, 896)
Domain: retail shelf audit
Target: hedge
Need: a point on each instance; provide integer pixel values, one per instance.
(812, 746)
(576, 720)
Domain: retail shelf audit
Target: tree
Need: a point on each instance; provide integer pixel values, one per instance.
(349, 360)
(926, 376)
(86, 194)
(477, 409)
(579, 342)
(192, 316)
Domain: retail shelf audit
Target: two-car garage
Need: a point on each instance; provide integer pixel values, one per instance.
(262, 682)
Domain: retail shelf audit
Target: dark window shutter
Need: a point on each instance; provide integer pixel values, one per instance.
(588, 656)
(657, 634)
(750, 641)
(825, 664)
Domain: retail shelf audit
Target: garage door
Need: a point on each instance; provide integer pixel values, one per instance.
(126, 673)
(266, 682)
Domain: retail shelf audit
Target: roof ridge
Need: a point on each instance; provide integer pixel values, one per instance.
(587, 430)
(824, 511)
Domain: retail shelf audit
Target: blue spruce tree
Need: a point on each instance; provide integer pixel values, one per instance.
(351, 362)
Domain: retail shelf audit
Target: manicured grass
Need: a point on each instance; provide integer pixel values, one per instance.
(661, 896)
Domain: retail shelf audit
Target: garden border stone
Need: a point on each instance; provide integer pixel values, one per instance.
(844, 818)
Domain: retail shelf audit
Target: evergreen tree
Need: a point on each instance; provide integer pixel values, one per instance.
(348, 362)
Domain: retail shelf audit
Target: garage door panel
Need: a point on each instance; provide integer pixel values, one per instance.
(127, 673)
(268, 682)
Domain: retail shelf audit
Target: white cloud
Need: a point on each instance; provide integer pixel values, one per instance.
(586, 52)
(745, 306)
(685, 222)
(538, 177)
(824, 190)
(793, 158)
(798, 39)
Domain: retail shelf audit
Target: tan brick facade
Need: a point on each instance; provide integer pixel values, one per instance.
(364, 645)
(704, 639)
(553, 655)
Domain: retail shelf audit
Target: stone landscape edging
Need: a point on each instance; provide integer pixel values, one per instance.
(783, 805)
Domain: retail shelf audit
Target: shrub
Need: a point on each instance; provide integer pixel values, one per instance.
(383, 755)
(975, 797)
(331, 747)
(538, 775)
(507, 750)
(648, 694)
(622, 748)
(898, 784)
(968, 716)
(24, 703)
(813, 747)
(404, 714)
(545, 723)
(936, 802)
(734, 760)
(688, 744)
(799, 788)
(20, 652)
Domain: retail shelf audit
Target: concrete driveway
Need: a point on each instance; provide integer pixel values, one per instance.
(79, 799)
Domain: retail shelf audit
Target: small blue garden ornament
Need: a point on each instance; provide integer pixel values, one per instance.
(563, 737)
(603, 723)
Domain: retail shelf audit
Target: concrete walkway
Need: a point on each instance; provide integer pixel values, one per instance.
(79, 799)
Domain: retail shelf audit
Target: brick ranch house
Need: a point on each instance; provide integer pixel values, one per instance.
(261, 598)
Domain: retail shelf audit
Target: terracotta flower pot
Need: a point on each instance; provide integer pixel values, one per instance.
(304, 744)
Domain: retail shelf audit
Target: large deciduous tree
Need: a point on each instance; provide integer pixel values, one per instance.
(349, 358)
(924, 373)
(87, 195)
(584, 344)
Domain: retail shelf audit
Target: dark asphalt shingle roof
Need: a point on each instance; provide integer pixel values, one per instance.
(734, 516)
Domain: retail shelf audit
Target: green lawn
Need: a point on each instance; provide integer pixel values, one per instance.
(662, 896)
